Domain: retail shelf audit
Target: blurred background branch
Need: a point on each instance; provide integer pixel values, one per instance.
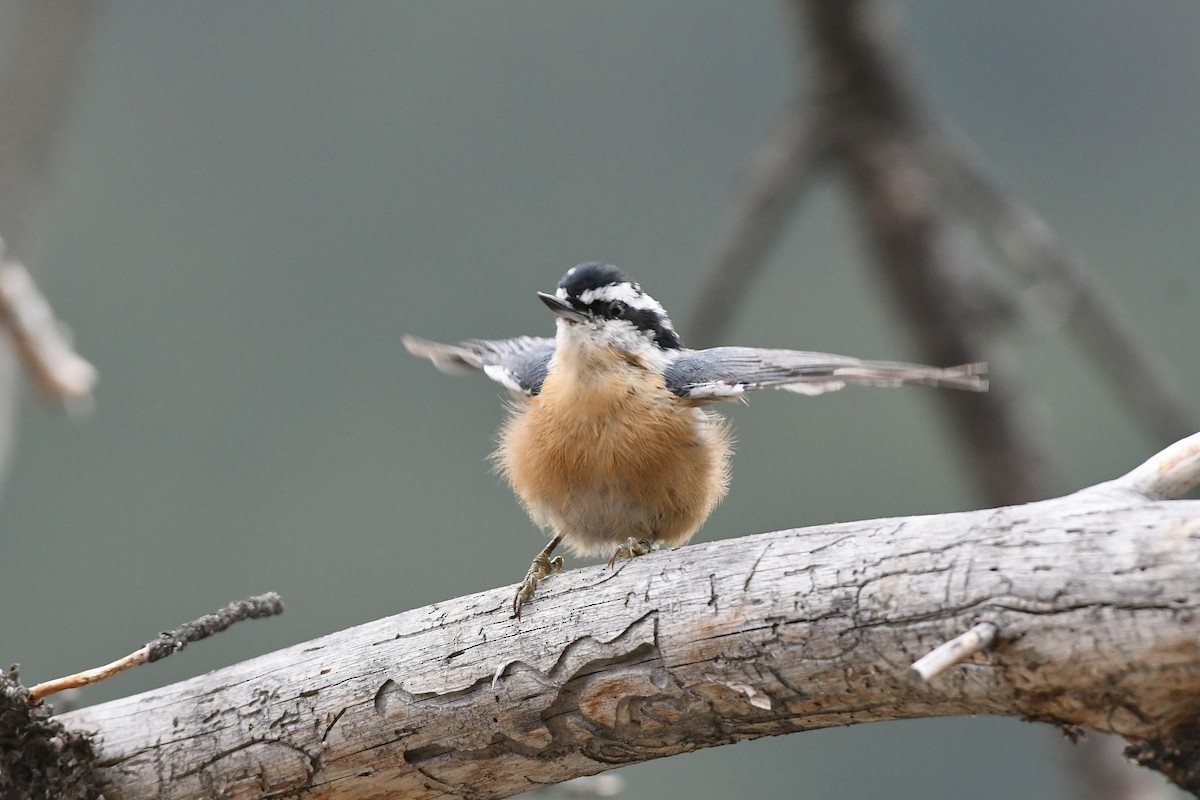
(1064, 287)
(46, 47)
(42, 342)
(859, 112)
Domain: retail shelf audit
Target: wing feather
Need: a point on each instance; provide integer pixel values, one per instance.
(727, 373)
(518, 364)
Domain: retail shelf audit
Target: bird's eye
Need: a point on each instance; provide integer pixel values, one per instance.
(617, 309)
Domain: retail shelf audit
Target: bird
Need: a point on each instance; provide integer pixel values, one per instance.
(610, 444)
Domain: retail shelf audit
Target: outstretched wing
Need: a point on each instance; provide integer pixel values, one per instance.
(518, 364)
(727, 373)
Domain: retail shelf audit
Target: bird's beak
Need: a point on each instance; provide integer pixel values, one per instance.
(561, 307)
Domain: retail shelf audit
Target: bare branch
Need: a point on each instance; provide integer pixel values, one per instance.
(1100, 326)
(775, 180)
(863, 113)
(789, 631)
(264, 605)
(89, 676)
(43, 68)
(43, 65)
(955, 651)
(41, 340)
(864, 75)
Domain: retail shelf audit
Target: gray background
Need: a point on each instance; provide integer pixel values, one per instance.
(257, 199)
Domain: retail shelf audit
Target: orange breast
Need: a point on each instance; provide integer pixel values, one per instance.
(614, 458)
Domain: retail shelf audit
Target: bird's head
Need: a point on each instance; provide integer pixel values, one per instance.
(596, 303)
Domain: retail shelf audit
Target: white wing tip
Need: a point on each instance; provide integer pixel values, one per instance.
(717, 390)
(814, 388)
(504, 377)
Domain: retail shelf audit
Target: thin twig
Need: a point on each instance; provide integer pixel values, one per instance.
(88, 676)
(39, 338)
(265, 605)
(955, 651)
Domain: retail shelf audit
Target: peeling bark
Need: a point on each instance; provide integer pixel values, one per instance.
(1094, 595)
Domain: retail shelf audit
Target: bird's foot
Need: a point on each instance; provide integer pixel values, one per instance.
(541, 567)
(632, 548)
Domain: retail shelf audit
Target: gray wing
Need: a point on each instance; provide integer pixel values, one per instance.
(727, 373)
(518, 364)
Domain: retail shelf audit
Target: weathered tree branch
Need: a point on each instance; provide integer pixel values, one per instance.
(1094, 598)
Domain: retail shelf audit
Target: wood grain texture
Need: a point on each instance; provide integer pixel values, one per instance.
(1095, 597)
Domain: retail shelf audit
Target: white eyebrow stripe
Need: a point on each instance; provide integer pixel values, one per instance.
(625, 293)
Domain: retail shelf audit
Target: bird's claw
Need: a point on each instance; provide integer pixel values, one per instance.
(541, 567)
(631, 549)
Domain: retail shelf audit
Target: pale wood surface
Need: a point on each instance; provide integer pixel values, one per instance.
(1094, 595)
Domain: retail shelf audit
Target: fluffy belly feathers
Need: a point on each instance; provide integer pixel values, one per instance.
(623, 461)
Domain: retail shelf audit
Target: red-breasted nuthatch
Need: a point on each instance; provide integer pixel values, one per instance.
(609, 445)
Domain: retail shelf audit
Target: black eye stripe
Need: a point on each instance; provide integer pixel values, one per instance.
(594, 276)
